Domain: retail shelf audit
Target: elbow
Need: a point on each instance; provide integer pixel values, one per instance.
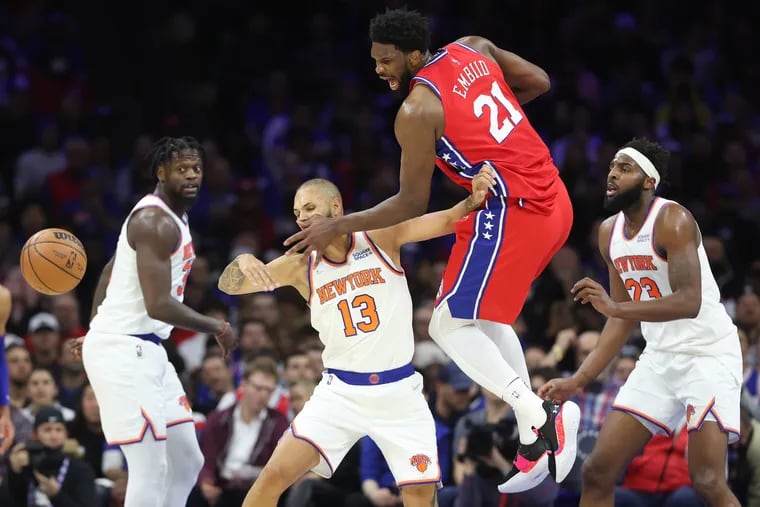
(155, 309)
(692, 305)
(541, 83)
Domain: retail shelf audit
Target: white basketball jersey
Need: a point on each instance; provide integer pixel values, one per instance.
(123, 309)
(645, 274)
(362, 309)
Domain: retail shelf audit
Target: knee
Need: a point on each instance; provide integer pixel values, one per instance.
(598, 475)
(418, 494)
(707, 481)
(442, 323)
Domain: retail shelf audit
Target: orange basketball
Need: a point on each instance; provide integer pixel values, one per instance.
(53, 261)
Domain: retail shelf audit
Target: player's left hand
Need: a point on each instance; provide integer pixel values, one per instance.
(227, 339)
(482, 183)
(75, 344)
(315, 237)
(587, 290)
(7, 431)
(48, 485)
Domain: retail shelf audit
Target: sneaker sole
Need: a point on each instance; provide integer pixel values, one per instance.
(525, 481)
(565, 458)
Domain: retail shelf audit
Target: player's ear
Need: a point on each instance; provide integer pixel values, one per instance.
(337, 207)
(415, 58)
(161, 173)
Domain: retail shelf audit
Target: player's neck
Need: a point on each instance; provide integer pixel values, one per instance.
(177, 208)
(338, 248)
(636, 214)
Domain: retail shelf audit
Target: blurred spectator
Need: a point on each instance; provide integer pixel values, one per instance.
(45, 342)
(43, 392)
(42, 473)
(36, 164)
(215, 390)
(86, 430)
(659, 475)
(67, 312)
(19, 370)
(238, 441)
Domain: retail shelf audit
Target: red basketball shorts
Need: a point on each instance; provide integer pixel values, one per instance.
(499, 252)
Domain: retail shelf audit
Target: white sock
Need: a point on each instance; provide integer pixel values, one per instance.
(528, 408)
(479, 357)
(184, 461)
(146, 461)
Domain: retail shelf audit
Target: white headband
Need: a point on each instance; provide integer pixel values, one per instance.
(646, 165)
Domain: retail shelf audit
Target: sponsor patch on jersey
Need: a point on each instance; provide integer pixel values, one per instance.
(421, 462)
(362, 254)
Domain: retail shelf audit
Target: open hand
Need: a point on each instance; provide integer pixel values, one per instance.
(587, 290)
(256, 271)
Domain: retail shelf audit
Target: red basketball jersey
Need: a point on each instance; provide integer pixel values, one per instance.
(484, 122)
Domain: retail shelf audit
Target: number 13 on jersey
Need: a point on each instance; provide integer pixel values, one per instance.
(368, 320)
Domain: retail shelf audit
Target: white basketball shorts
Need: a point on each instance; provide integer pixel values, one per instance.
(136, 386)
(664, 387)
(395, 415)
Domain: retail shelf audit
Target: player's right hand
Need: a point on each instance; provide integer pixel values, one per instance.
(227, 339)
(75, 344)
(256, 271)
(559, 389)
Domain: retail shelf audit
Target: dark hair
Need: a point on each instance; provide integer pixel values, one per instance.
(407, 30)
(261, 364)
(654, 151)
(166, 148)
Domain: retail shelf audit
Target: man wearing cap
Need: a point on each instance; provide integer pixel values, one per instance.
(45, 341)
(691, 367)
(43, 474)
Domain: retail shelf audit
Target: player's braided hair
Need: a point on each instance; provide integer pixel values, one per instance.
(405, 29)
(166, 148)
(654, 151)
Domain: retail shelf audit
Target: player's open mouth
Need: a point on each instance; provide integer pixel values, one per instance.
(190, 189)
(392, 82)
(611, 189)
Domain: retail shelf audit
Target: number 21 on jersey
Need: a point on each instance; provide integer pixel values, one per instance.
(365, 305)
(499, 128)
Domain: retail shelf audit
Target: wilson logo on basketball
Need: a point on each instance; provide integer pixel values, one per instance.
(420, 462)
(67, 236)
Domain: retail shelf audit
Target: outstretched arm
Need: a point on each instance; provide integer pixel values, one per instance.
(526, 79)
(247, 274)
(440, 223)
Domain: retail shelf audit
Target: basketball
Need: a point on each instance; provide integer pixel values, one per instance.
(53, 261)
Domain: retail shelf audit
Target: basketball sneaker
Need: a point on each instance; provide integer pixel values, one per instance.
(553, 453)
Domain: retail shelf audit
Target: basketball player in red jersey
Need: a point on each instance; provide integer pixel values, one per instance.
(462, 110)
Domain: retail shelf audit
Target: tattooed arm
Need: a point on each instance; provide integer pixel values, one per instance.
(248, 274)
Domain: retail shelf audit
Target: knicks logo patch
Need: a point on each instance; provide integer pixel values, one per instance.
(690, 411)
(420, 462)
(182, 400)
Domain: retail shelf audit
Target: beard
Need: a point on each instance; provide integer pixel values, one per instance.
(404, 80)
(623, 200)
